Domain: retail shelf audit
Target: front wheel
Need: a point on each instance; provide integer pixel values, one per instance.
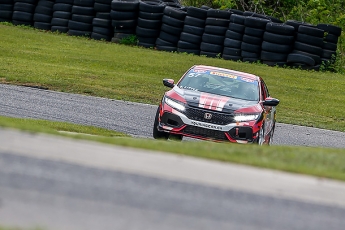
(155, 132)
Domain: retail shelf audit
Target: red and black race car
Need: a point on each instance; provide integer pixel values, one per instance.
(217, 104)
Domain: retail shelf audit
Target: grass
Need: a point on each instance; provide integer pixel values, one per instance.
(320, 162)
(85, 66)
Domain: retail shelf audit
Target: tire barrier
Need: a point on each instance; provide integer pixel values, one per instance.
(166, 25)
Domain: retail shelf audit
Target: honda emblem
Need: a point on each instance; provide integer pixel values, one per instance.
(208, 116)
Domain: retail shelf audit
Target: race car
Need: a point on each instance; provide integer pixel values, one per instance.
(217, 104)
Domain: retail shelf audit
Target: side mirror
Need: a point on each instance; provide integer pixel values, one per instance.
(271, 102)
(168, 83)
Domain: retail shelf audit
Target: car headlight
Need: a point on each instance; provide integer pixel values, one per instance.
(175, 104)
(246, 117)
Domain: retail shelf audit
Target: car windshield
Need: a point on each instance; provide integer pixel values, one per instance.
(221, 83)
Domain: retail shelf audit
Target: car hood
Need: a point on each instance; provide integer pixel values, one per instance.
(215, 102)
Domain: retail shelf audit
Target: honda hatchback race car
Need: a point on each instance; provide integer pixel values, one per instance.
(217, 104)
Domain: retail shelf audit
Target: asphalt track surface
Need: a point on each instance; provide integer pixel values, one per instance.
(128, 117)
(60, 183)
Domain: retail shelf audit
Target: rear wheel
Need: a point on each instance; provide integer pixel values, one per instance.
(155, 132)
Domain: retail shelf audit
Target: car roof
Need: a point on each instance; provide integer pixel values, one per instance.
(234, 72)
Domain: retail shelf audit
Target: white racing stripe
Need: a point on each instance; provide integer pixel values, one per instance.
(174, 167)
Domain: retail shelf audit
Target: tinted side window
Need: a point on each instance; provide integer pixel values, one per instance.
(264, 90)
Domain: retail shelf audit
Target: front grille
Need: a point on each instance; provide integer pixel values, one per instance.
(208, 133)
(217, 118)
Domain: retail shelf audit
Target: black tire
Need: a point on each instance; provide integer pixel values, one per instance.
(231, 58)
(82, 18)
(252, 40)
(82, 10)
(328, 54)
(97, 36)
(253, 14)
(331, 38)
(313, 31)
(24, 23)
(174, 13)
(191, 38)
(217, 22)
(273, 56)
(151, 7)
(310, 40)
(6, 7)
(80, 26)
(189, 51)
(44, 10)
(88, 3)
(236, 12)
(188, 45)
(146, 45)
(61, 29)
(125, 5)
(42, 18)
(42, 25)
(161, 42)
(335, 30)
(124, 24)
(197, 12)
(62, 7)
(316, 58)
(214, 39)
(147, 33)
(147, 40)
(216, 30)
(103, 15)
(24, 7)
(194, 22)
(102, 30)
(169, 37)
(193, 30)
(27, 1)
(250, 47)
(150, 16)
(232, 51)
(296, 24)
(59, 22)
(329, 46)
(106, 23)
(172, 21)
(6, 15)
(62, 14)
(123, 15)
(254, 32)
(279, 28)
(308, 48)
(171, 29)
(255, 22)
(238, 19)
(215, 13)
(300, 58)
(100, 7)
(232, 43)
(251, 60)
(236, 27)
(209, 47)
(233, 35)
(149, 24)
(277, 48)
(247, 54)
(22, 17)
(277, 38)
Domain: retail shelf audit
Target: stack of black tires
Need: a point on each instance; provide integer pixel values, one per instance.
(62, 11)
(101, 23)
(124, 15)
(171, 28)
(43, 14)
(277, 43)
(6, 10)
(216, 25)
(252, 38)
(80, 23)
(193, 29)
(149, 23)
(23, 12)
(330, 41)
(233, 38)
